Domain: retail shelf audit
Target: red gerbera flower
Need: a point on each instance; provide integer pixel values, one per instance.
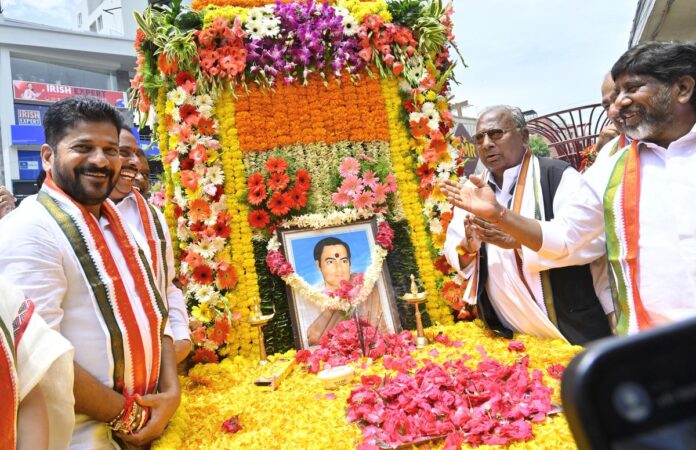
(256, 195)
(258, 219)
(276, 165)
(221, 229)
(186, 81)
(206, 126)
(204, 355)
(278, 181)
(419, 127)
(219, 332)
(302, 179)
(279, 204)
(255, 180)
(298, 196)
(187, 163)
(189, 114)
(203, 274)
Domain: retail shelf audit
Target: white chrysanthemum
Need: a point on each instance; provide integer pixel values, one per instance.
(273, 244)
(175, 166)
(435, 226)
(203, 99)
(404, 86)
(215, 175)
(445, 207)
(178, 96)
(341, 11)
(204, 293)
(255, 15)
(182, 148)
(350, 25)
(205, 111)
(271, 30)
(255, 27)
(427, 108)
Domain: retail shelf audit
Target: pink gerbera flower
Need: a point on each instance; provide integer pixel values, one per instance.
(349, 166)
(380, 191)
(364, 200)
(340, 198)
(352, 185)
(370, 179)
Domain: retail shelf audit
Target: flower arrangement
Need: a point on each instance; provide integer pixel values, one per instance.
(350, 295)
(492, 404)
(344, 343)
(365, 183)
(212, 393)
(315, 57)
(275, 192)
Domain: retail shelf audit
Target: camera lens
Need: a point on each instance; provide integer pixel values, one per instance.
(631, 402)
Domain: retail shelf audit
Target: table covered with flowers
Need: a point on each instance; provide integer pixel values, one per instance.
(511, 394)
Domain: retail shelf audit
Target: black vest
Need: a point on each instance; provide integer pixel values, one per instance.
(578, 311)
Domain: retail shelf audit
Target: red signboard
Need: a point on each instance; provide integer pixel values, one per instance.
(49, 93)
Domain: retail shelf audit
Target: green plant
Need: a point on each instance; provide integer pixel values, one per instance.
(539, 146)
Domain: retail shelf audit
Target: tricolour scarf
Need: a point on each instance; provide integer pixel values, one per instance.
(135, 370)
(156, 241)
(527, 201)
(621, 217)
(9, 387)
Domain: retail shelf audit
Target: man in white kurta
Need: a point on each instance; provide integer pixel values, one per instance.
(654, 270)
(522, 300)
(135, 211)
(60, 248)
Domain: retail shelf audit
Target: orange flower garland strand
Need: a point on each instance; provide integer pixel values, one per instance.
(296, 114)
(404, 169)
(247, 291)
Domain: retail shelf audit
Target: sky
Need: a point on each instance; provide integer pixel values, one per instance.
(545, 55)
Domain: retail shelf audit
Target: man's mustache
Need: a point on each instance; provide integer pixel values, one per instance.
(94, 169)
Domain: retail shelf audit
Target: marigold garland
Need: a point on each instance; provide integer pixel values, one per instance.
(296, 114)
(212, 393)
(408, 192)
(247, 291)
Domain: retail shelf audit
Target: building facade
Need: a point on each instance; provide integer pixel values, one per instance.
(40, 65)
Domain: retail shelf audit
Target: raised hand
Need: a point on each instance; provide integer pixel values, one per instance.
(491, 234)
(475, 197)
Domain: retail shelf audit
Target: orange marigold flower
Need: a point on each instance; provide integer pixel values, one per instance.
(276, 165)
(199, 210)
(258, 219)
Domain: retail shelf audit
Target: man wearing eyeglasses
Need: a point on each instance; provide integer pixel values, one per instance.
(559, 303)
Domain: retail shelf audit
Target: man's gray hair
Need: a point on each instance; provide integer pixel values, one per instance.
(515, 112)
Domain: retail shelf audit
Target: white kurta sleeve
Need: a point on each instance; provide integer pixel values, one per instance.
(178, 315)
(455, 234)
(31, 260)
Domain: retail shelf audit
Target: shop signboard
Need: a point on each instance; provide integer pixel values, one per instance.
(29, 114)
(49, 93)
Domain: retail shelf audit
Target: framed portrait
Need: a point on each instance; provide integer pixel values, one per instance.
(324, 257)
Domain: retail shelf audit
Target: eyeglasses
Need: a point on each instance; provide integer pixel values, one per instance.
(495, 134)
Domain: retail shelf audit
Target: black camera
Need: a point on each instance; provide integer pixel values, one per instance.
(634, 393)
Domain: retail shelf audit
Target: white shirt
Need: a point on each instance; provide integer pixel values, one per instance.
(667, 245)
(178, 316)
(516, 308)
(38, 258)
